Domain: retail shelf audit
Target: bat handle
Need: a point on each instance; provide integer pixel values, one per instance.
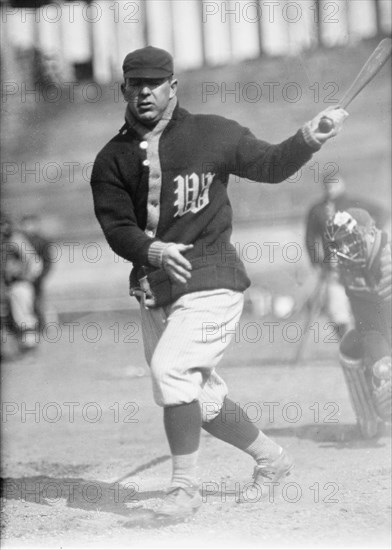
(326, 124)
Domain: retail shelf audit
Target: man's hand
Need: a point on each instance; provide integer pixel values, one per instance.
(337, 115)
(311, 132)
(176, 266)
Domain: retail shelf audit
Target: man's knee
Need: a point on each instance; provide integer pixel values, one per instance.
(161, 367)
(173, 386)
(210, 410)
(168, 399)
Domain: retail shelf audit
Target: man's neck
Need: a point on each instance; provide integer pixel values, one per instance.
(142, 128)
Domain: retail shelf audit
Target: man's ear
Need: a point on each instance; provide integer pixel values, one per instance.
(122, 87)
(173, 87)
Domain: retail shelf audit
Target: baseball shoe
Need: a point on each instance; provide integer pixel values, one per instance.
(267, 472)
(273, 471)
(179, 503)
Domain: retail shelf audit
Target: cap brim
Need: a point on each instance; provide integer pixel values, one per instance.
(147, 73)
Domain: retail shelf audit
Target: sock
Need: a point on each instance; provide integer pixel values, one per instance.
(184, 470)
(183, 427)
(263, 448)
(233, 426)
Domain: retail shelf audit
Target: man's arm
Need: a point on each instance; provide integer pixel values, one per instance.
(115, 212)
(261, 161)
(384, 287)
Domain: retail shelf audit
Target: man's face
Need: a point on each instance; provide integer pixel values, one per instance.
(148, 98)
(333, 188)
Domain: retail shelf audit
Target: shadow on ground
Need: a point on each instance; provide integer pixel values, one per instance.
(79, 493)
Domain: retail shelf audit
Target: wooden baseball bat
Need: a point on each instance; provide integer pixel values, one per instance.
(370, 69)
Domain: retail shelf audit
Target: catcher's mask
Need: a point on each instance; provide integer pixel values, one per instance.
(344, 239)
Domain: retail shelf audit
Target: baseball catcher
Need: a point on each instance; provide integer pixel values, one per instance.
(363, 256)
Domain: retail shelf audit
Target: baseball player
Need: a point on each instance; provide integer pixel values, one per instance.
(19, 271)
(30, 226)
(335, 198)
(160, 195)
(363, 256)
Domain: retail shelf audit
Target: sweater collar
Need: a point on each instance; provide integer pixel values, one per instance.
(146, 132)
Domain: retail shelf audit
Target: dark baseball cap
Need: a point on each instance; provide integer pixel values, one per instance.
(149, 62)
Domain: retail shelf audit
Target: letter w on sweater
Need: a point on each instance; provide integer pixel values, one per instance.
(192, 192)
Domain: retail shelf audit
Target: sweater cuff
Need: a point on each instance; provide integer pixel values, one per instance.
(155, 253)
(309, 137)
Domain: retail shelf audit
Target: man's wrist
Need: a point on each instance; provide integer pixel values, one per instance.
(309, 137)
(155, 252)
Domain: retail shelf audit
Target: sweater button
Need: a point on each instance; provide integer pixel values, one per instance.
(146, 162)
(143, 145)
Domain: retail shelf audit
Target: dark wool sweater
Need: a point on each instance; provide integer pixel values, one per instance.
(197, 153)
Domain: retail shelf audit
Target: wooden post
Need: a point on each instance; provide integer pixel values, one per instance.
(377, 8)
(172, 39)
(260, 38)
(202, 32)
(318, 22)
(143, 13)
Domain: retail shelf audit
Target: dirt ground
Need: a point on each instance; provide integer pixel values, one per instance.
(85, 456)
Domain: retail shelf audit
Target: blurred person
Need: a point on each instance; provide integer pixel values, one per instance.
(20, 269)
(335, 197)
(30, 226)
(362, 254)
(160, 195)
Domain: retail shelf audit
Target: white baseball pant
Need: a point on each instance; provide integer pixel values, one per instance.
(21, 296)
(183, 344)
